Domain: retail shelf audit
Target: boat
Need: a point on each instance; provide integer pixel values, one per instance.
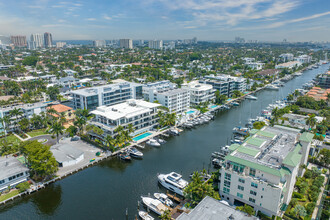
(124, 156)
(145, 216)
(241, 131)
(235, 103)
(153, 142)
(161, 141)
(133, 152)
(154, 205)
(164, 199)
(173, 132)
(173, 181)
(251, 97)
(272, 87)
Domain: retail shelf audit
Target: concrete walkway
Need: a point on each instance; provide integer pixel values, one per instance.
(318, 205)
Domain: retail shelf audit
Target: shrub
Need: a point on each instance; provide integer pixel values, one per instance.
(22, 187)
(297, 195)
(310, 207)
(308, 174)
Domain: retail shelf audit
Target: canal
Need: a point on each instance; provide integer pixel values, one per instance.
(108, 189)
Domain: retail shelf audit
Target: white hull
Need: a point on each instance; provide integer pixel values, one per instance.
(149, 203)
(174, 189)
(145, 215)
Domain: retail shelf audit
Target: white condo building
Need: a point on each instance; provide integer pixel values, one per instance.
(286, 57)
(93, 97)
(176, 100)
(126, 43)
(304, 59)
(200, 93)
(150, 90)
(38, 39)
(262, 171)
(141, 114)
(155, 44)
(99, 43)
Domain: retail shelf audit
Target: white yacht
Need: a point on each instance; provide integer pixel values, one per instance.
(153, 142)
(272, 87)
(133, 152)
(154, 205)
(145, 215)
(173, 182)
(164, 199)
(251, 97)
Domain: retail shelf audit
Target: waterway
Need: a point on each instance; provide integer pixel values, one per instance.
(108, 189)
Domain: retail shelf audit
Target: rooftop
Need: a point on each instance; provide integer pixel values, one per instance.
(173, 92)
(10, 166)
(65, 152)
(105, 88)
(60, 108)
(24, 106)
(269, 148)
(212, 209)
(128, 109)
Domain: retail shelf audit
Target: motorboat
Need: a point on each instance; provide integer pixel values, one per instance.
(124, 156)
(205, 176)
(235, 103)
(153, 142)
(251, 97)
(145, 216)
(173, 181)
(241, 131)
(133, 152)
(174, 132)
(164, 199)
(161, 141)
(272, 87)
(154, 205)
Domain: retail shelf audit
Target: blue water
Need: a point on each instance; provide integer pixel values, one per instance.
(214, 106)
(190, 112)
(137, 138)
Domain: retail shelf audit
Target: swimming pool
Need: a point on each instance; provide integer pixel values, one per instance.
(144, 135)
(214, 106)
(190, 112)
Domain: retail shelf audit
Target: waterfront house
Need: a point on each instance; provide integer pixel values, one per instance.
(200, 93)
(262, 171)
(67, 112)
(12, 172)
(66, 154)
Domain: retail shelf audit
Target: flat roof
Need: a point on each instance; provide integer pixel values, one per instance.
(25, 106)
(269, 148)
(212, 209)
(65, 152)
(127, 109)
(174, 92)
(10, 166)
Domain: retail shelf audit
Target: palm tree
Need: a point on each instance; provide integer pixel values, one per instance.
(15, 113)
(311, 121)
(119, 129)
(276, 114)
(5, 121)
(56, 129)
(80, 123)
(110, 141)
(130, 128)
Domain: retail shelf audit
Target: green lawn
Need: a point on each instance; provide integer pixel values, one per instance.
(11, 139)
(8, 195)
(37, 132)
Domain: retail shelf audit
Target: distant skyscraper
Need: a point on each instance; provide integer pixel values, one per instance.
(141, 42)
(31, 45)
(155, 44)
(18, 40)
(38, 39)
(194, 40)
(60, 44)
(171, 45)
(48, 39)
(99, 43)
(126, 43)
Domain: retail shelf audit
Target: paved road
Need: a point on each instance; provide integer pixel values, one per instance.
(51, 141)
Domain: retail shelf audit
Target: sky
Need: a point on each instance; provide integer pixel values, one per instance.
(264, 20)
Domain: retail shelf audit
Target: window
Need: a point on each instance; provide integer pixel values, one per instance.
(253, 192)
(227, 176)
(227, 183)
(252, 172)
(240, 195)
(2, 181)
(240, 187)
(263, 189)
(254, 185)
(226, 190)
(241, 180)
(252, 200)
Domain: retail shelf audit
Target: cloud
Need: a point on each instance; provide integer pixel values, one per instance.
(106, 17)
(91, 19)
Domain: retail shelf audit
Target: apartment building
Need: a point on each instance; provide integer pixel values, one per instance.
(304, 58)
(18, 40)
(200, 93)
(322, 80)
(150, 90)
(155, 44)
(176, 100)
(126, 43)
(141, 114)
(285, 57)
(262, 171)
(93, 97)
(226, 84)
(99, 43)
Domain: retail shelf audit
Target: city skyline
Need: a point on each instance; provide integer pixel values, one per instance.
(163, 19)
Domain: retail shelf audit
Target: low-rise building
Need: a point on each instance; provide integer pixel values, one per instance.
(304, 59)
(255, 65)
(323, 80)
(285, 57)
(212, 209)
(12, 172)
(66, 155)
(66, 111)
(262, 171)
(150, 90)
(200, 93)
(93, 97)
(299, 121)
(141, 114)
(288, 65)
(176, 100)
